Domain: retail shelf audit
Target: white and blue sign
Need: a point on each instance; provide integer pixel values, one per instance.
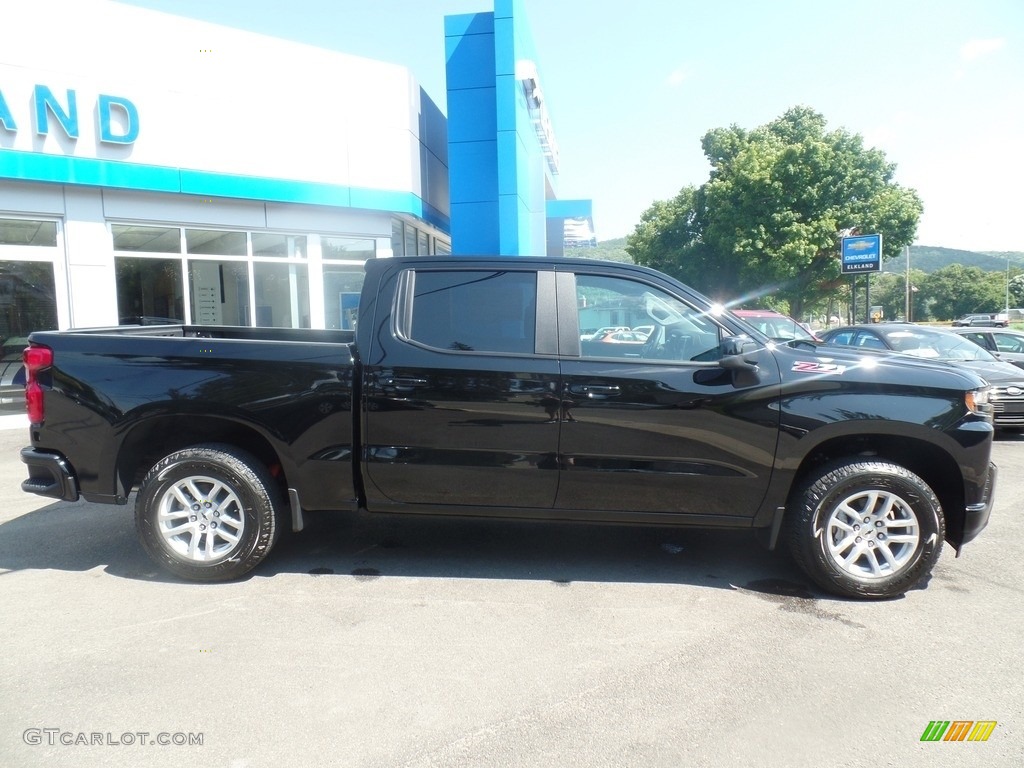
(861, 253)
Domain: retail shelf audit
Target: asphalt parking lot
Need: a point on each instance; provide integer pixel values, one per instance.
(447, 643)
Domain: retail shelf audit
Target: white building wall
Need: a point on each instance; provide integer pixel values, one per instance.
(211, 98)
(89, 258)
(228, 130)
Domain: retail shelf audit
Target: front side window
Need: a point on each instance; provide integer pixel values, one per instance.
(625, 318)
(478, 311)
(1007, 342)
(870, 341)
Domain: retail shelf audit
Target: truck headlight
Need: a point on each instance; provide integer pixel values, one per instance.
(977, 402)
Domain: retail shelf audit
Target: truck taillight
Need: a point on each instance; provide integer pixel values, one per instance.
(36, 359)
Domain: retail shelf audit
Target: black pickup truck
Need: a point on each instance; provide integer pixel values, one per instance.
(467, 389)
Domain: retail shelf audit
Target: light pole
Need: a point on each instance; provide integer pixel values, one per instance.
(1007, 310)
(906, 289)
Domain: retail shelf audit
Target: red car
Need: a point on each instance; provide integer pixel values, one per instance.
(774, 325)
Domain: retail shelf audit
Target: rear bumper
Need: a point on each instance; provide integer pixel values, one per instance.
(976, 515)
(49, 474)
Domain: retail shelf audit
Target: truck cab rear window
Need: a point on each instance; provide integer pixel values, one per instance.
(475, 310)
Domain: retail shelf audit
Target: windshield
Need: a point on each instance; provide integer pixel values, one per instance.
(779, 328)
(776, 327)
(935, 345)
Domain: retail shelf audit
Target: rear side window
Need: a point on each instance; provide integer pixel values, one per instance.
(842, 337)
(475, 310)
(870, 341)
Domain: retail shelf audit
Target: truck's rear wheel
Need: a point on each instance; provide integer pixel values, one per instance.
(208, 513)
(866, 528)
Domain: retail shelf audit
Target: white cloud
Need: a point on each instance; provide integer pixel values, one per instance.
(976, 48)
(679, 76)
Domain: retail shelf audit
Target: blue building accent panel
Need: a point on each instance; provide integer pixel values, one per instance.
(494, 54)
(467, 230)
(476, 116)
(32, 166)
(470, 59)
(457, 26)
(570, 209)
(482, 158)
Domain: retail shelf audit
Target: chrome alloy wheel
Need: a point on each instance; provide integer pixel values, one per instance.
(872, 534)
(201, 519)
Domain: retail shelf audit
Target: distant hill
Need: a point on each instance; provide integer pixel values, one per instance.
(927, 258)
(609, 250)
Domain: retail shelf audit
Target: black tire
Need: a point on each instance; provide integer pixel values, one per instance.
(208, 512)
(889, 546)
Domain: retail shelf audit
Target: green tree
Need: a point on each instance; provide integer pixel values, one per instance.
(957, 290)
(770, 217)
(1016, 289)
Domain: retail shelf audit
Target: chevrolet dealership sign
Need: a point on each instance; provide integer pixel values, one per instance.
(861, 253)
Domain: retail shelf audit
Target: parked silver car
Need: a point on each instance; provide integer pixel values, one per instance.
(1005, 343)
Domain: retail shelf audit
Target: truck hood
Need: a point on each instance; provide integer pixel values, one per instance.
(880, 366)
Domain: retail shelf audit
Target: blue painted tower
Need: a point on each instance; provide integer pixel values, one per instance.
(502, 153)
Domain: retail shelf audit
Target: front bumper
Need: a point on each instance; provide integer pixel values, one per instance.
(49, 474)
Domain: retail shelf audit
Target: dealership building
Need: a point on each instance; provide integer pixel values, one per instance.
(157, 168)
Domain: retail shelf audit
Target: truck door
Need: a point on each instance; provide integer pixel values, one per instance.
(657, 427)
(460, 380)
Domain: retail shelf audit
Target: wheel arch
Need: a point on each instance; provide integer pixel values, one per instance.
(159, 436)
(937, 467)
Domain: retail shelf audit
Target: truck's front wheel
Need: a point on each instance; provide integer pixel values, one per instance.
(866, 528)
(208, 513)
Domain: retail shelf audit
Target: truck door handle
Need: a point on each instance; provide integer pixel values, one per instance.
(594, 390)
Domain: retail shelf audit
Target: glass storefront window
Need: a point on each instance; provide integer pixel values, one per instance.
(341, 296)
(282, 295)
(149, 291)
(348, 248)
(215, 242)
(28, 232)
(397, 238)
(132, 237)
(27, 303)
(244, 277)
(220, 292)
(271, 244)
(410, 240)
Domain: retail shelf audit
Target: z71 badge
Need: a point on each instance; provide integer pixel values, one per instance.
(815, 367)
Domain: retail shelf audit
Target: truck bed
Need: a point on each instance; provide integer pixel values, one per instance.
(142, 391)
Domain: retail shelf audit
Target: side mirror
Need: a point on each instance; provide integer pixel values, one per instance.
(737, 345)
(734, 350)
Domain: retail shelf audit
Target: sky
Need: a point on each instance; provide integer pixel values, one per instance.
(631, 87)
